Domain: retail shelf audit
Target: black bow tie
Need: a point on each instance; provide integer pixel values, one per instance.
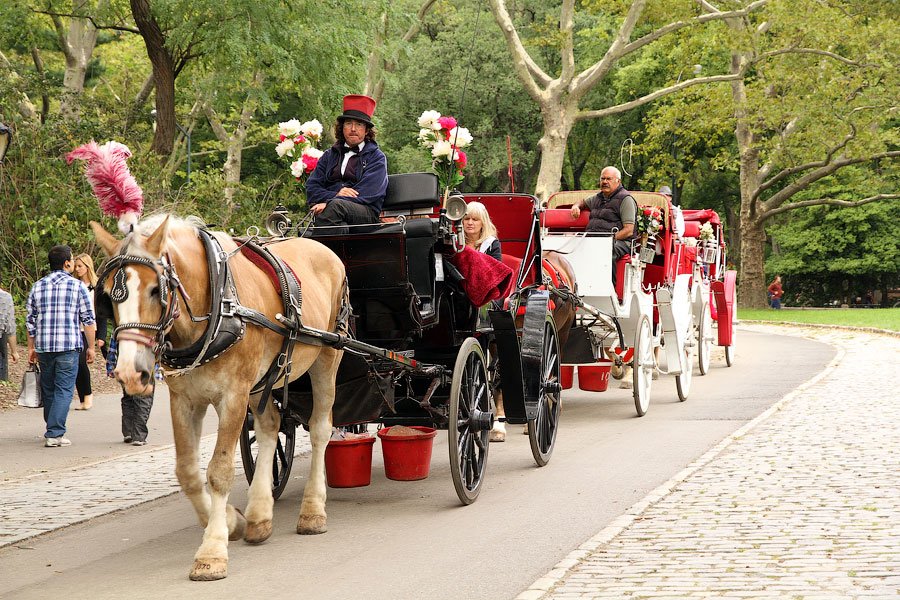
(346, 149)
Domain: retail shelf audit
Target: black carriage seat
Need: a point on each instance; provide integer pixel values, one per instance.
(391, 266)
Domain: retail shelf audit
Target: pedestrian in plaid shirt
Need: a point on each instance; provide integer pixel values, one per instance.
(58, 306)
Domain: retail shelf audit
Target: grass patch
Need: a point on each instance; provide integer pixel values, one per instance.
(880, 318)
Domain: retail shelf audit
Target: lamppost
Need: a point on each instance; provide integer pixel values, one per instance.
(187, 136)
(676, 200)
(5, 139)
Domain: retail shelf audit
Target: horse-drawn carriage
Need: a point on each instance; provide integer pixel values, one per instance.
(419, 352)
(652, 304)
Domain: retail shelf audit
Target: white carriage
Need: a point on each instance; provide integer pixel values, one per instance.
(652, 305)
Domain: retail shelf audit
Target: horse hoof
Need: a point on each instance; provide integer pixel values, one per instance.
(312, 525)
(237, 524)
(617, 371)
(209, 569)
(257, 533)
(498, 436)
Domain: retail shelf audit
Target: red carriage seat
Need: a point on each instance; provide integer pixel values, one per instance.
(560, 219)
(692, 229)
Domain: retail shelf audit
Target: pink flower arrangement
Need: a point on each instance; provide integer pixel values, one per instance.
(649, 220)
(444, 138)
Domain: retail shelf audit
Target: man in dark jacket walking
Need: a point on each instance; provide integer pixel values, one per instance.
(613, 209)
(349, 182)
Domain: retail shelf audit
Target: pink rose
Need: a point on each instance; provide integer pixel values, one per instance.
(461, 159)
(299, 139)
(310, 162)
(281, 138)
(447, 123)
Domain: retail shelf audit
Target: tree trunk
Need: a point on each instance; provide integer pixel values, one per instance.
(752, 280)
(558, 121)
(163, 75)
(232, 168)
(77, 46)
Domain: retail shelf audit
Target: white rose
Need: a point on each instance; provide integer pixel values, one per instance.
(427, 137)
(285, 147)
(312, 129)
(298, 168)
(429, 118)
(441, 149)
(289, 128)
(314, 152)
(460, 136)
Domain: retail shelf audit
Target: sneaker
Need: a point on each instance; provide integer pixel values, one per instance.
(127, 439)
(56, 442)
(139, 443)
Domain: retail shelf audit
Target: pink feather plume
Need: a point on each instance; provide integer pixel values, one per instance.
(119, 194)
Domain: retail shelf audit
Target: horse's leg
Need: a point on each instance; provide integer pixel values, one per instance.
(187, 420)
(498, 431)
(322, 375)
(260, 501)
(225, 521)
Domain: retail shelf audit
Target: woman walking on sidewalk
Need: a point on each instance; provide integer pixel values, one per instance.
(84, 272)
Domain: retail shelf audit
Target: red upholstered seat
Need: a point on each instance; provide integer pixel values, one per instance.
(560, 219)
(692, 229)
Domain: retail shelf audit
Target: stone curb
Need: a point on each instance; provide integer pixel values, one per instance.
(541, 586)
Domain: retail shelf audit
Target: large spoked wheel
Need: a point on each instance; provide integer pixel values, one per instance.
(642, 365)
(683, 381)
(471, 415)
(729, 352)
(704, 337)
(284, 454)
(542, 429)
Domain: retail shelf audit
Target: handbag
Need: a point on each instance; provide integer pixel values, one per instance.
(30, 395)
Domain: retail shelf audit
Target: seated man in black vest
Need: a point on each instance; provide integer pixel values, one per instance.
(612, 210)
(349, 182)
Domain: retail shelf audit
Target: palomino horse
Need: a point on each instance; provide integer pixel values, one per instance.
(167, 257)
(563, 317)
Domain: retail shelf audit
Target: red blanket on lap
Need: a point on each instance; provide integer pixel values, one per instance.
(486, 279)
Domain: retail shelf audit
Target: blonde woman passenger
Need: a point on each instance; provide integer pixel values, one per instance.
(481, 234)
(84, 272)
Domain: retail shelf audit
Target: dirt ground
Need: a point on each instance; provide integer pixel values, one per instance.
(9, 390)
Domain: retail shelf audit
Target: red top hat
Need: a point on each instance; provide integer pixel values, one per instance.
(359, 108)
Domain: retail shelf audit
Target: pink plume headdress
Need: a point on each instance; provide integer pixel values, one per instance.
(119, 194)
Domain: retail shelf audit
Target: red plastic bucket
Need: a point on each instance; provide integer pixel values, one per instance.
(594, 377)
(566, 376)
(348, 463)
(407, 457)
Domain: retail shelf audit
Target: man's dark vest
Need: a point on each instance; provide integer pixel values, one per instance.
(605, 216)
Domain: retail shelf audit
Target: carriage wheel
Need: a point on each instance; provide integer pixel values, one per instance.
(284, 454)
(542, 429)
(704, 335)
(471, 416)
(729, 353)
(683, 381)
(642, 366)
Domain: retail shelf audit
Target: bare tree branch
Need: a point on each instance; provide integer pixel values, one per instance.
(787, 192)
(612, 110)
(705, 18)
(837, 57)
(567, 48)
(590, 76)
(55, 16)
(531, 75)
(829, 202)
(805, 167)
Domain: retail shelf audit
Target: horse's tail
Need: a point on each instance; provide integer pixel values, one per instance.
(342, 324)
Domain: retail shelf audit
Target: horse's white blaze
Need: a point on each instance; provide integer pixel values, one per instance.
(127, 350)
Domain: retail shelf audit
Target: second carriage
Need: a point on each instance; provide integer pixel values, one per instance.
(419, 352)
(657, 302)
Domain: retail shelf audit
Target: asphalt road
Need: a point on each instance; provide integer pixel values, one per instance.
(413, 539)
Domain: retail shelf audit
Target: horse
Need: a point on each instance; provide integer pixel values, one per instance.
(165, 258)
(563, 317)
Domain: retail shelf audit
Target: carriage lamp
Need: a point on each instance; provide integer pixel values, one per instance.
(5, 139)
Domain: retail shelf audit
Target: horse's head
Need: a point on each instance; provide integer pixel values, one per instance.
(141, 283)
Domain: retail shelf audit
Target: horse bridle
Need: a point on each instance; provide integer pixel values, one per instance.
(169, 287)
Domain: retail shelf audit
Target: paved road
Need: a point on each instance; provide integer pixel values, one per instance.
(578, 576)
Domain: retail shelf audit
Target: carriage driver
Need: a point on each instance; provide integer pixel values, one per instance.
(349, 183)
(613, 209)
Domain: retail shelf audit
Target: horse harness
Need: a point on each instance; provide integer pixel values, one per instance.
(227, 317)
